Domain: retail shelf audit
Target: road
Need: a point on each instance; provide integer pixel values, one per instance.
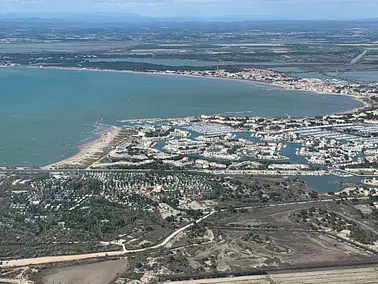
(65, 258)
(14, 281)
(73, 171)
(357, 222)
(171, 236)
(215, 172)
(359, 57)
(296, 203)
(242, 229)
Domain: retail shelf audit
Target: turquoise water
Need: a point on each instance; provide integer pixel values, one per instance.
(329, 183)
(46, 113)
(371, 76)
(287, 69)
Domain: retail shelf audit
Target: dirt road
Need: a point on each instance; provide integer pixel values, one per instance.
(63, 258)
(66, 258)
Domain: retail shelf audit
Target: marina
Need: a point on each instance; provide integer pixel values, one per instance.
(53, 111)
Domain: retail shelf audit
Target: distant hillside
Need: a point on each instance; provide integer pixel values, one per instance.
(119, 19)
(74, 17)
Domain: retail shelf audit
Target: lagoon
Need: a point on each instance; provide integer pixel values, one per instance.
(368, 76)
(160, 61)
(46, 113)
(176, 62)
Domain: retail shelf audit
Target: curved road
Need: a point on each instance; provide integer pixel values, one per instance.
(65, 258)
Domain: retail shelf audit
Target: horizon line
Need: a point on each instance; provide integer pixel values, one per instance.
(220, 18)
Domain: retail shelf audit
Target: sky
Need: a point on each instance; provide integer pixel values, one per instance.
(253, 9)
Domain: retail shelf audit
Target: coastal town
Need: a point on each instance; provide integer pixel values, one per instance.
(339, 144)
(281, 79)
(203, 192)
(144, 182)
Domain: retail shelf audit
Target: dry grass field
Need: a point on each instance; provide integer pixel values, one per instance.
(95, 273)
(340, 276)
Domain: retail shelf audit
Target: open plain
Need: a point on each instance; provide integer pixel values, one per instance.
(367, 275)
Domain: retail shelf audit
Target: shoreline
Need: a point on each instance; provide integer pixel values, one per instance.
(87, 152)
(363, 103)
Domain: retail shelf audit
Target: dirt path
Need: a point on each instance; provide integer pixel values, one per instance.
(341, 215)
(14, 281)
(357, 222)
(63, 258)
(66, 258)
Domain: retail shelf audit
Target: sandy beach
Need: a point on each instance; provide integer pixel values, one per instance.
(90, 152)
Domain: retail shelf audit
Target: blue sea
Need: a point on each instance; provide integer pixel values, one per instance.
(46, 113)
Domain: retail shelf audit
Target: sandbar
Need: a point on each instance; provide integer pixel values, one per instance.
(90, 152)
